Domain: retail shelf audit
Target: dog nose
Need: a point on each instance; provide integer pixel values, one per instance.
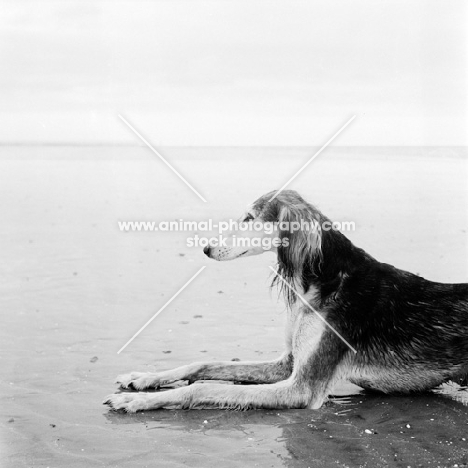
(207, 250)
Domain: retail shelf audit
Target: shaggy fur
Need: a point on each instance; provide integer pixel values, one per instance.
(410, 334)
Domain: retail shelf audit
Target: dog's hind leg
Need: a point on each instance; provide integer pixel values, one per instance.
(246, 372)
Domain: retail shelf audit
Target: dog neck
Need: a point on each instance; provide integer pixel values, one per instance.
(323, 271)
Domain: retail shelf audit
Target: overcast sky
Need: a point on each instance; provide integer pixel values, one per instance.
(243, 72)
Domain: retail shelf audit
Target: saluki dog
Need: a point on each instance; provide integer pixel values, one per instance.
(381, 328)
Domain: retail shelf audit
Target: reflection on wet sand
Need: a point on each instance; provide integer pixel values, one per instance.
(419, 430)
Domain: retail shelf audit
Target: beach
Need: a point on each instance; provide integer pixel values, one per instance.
(75, 289)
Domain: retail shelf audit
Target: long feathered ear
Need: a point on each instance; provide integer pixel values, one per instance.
(300, 252)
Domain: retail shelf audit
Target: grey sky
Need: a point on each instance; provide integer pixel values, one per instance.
(234, 72)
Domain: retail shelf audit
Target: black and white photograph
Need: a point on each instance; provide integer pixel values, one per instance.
(234, 233)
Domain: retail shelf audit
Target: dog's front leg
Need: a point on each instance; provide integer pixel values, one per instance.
(280, 395)
(317, 353)
(250, 371)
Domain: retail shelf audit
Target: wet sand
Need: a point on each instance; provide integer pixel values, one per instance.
(75, 289)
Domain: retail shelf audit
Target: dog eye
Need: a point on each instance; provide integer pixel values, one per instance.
(248, 218)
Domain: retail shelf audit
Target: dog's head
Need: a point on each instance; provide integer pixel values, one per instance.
(286, 224)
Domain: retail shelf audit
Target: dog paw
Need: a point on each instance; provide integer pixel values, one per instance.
(129, 402)
(141, 380)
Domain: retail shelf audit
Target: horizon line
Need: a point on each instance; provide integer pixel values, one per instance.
(135, 145)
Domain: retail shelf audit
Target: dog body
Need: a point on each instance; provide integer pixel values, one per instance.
(349, 316)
